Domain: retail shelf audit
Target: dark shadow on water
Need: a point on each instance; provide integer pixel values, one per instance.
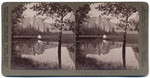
(92, 64)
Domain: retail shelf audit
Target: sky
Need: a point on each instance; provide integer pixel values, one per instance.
(30, 13)
(95, 13)
(92, 13)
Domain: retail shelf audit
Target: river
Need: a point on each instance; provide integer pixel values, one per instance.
(94, 54)
(91, 54)
(38, 54)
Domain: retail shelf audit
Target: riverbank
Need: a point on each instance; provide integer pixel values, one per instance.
(55, 38)
(131, 38)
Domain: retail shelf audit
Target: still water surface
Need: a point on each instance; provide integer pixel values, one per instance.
(42, 55)
(103, 54)
(89, 55)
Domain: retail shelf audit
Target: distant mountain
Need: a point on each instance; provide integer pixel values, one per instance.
(102, 23)
(108, 26)
(38, 24)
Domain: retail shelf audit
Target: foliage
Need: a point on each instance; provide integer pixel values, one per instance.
(27, 31)
(119, 10)
(71, 24)
(16, 18)
(54, 10)
(95, 31)
(81, 18)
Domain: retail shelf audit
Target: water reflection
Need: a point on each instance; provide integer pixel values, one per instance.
(90, 55)
(39, 54)
(103, 54)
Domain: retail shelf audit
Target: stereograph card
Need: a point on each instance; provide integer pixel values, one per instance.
(75, 38)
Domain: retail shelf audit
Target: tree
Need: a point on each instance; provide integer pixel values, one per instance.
(119, 10)
(81, 18)
(57, 11)
(16, 18)
(54, 10)
(70, 25)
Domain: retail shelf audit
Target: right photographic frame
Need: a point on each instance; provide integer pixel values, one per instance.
(107, 37)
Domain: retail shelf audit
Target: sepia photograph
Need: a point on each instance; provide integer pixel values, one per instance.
(75, 39)
(107, 37)
(43, 37)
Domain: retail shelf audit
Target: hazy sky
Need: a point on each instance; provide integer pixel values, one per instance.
(92, 13)
(30, 13)
(95, 13)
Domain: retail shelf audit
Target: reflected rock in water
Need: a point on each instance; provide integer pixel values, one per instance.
(42, 55)
(105, 41)
(67, 62)
(50, 57)
(41, 42)
(115, 57)
(106, 55)
(34, 48)
(99, 47)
